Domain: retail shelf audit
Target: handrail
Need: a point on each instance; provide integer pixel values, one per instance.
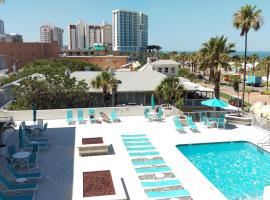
(266, 140)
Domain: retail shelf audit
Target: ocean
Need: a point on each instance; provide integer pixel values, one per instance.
(261, 54)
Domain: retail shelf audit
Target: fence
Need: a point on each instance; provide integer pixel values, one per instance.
(193, 102)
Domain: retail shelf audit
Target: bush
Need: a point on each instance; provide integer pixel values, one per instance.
(265, 92)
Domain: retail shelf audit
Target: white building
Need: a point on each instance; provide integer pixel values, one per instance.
(50, 33)
(2, 27)
(83, 35)
(167, 67)
(130, 30)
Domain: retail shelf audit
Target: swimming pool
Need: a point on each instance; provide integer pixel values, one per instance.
(240, 170)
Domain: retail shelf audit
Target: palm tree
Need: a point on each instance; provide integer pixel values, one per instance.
(266, 62)
(183, 58)
(170, 90)
(244, 19)
(107, 82)
(253, 59)
(216, 55)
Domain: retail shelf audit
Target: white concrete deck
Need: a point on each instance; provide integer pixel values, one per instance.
(66, 181)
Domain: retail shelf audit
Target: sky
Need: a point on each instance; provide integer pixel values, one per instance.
(180, 25)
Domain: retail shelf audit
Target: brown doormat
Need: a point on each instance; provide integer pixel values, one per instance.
(97, 183)
(95, 140)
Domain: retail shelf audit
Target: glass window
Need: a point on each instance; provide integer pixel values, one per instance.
(173, 70)
(160, 69)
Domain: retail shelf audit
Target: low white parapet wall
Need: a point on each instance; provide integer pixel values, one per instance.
(61, 113)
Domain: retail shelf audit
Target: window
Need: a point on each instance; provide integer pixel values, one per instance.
(172, 70)
(166, 69)
(160, 69)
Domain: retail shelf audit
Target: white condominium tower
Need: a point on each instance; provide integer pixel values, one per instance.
(50, 33)
(2, 27)
(83, 35)
(130, 30)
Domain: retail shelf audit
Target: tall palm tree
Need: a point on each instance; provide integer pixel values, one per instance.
(216, 55)
(183, 58)
(107, 82)
(244, 19)
(170, 89)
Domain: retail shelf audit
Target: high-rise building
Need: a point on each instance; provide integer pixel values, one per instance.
(2, 27)
(83, 36)
(50, 33)
(76, 35)
(130, 30)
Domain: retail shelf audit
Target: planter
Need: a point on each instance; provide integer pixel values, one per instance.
(3, 150)
(235, 119)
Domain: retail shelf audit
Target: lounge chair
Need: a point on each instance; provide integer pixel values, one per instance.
(70, 118)
(3, 196)
(191, 124)
(221, 122)
(42, 140)
(80, 116)
(105, 117)
(12, 161)
(147, 114)
(114, 117)
(32, 161)
(17, 187)
(31, 175)
(11, 150)
(159, 116)
(23, 143)
(43, 129)
(179, 127)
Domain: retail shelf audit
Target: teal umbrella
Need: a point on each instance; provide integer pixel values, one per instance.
(215, 103)
(34, 108)
(152, 102)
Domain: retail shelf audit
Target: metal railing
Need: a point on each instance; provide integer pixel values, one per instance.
(196, 116)
(193, 102)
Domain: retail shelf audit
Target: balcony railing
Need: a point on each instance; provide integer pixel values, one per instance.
(193, 102)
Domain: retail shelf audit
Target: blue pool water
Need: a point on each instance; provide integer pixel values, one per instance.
(239, 170)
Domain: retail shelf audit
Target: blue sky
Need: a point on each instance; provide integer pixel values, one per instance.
(181, 25)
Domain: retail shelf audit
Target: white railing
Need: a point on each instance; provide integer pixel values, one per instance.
(61, 113)
(264, 141)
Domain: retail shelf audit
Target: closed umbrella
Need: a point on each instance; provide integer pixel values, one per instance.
(152, 102)
(216, 103)
(34, 108)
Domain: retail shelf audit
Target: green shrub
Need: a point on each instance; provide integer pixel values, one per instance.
(265, 92)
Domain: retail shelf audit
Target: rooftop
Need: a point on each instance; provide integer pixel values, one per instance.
(165, 62)
(63, 167)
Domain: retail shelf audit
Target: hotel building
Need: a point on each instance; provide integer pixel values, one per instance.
(49, 33)
(130, 30)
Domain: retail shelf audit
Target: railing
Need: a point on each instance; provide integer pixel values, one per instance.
(61, 113)
(193, 102)
(264, 141)
(196, 116)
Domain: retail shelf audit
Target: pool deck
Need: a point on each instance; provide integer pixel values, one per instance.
(65, 167)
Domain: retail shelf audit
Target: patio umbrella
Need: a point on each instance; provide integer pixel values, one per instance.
(34, 108)
(152, 102)
(215, 103)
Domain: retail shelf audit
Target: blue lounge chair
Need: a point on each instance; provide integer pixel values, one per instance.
(159, 116)
(42, 140)
(221, 122)
(32, 175)
(70, 118)
(43, 130)
(147, 115)
(26, 128)
(191, 124)
(23, 143)
(179, 127)
(32, 161)
(80, 116)
(16, 197)
(91, 111)
(17, 187)
(114, 117)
